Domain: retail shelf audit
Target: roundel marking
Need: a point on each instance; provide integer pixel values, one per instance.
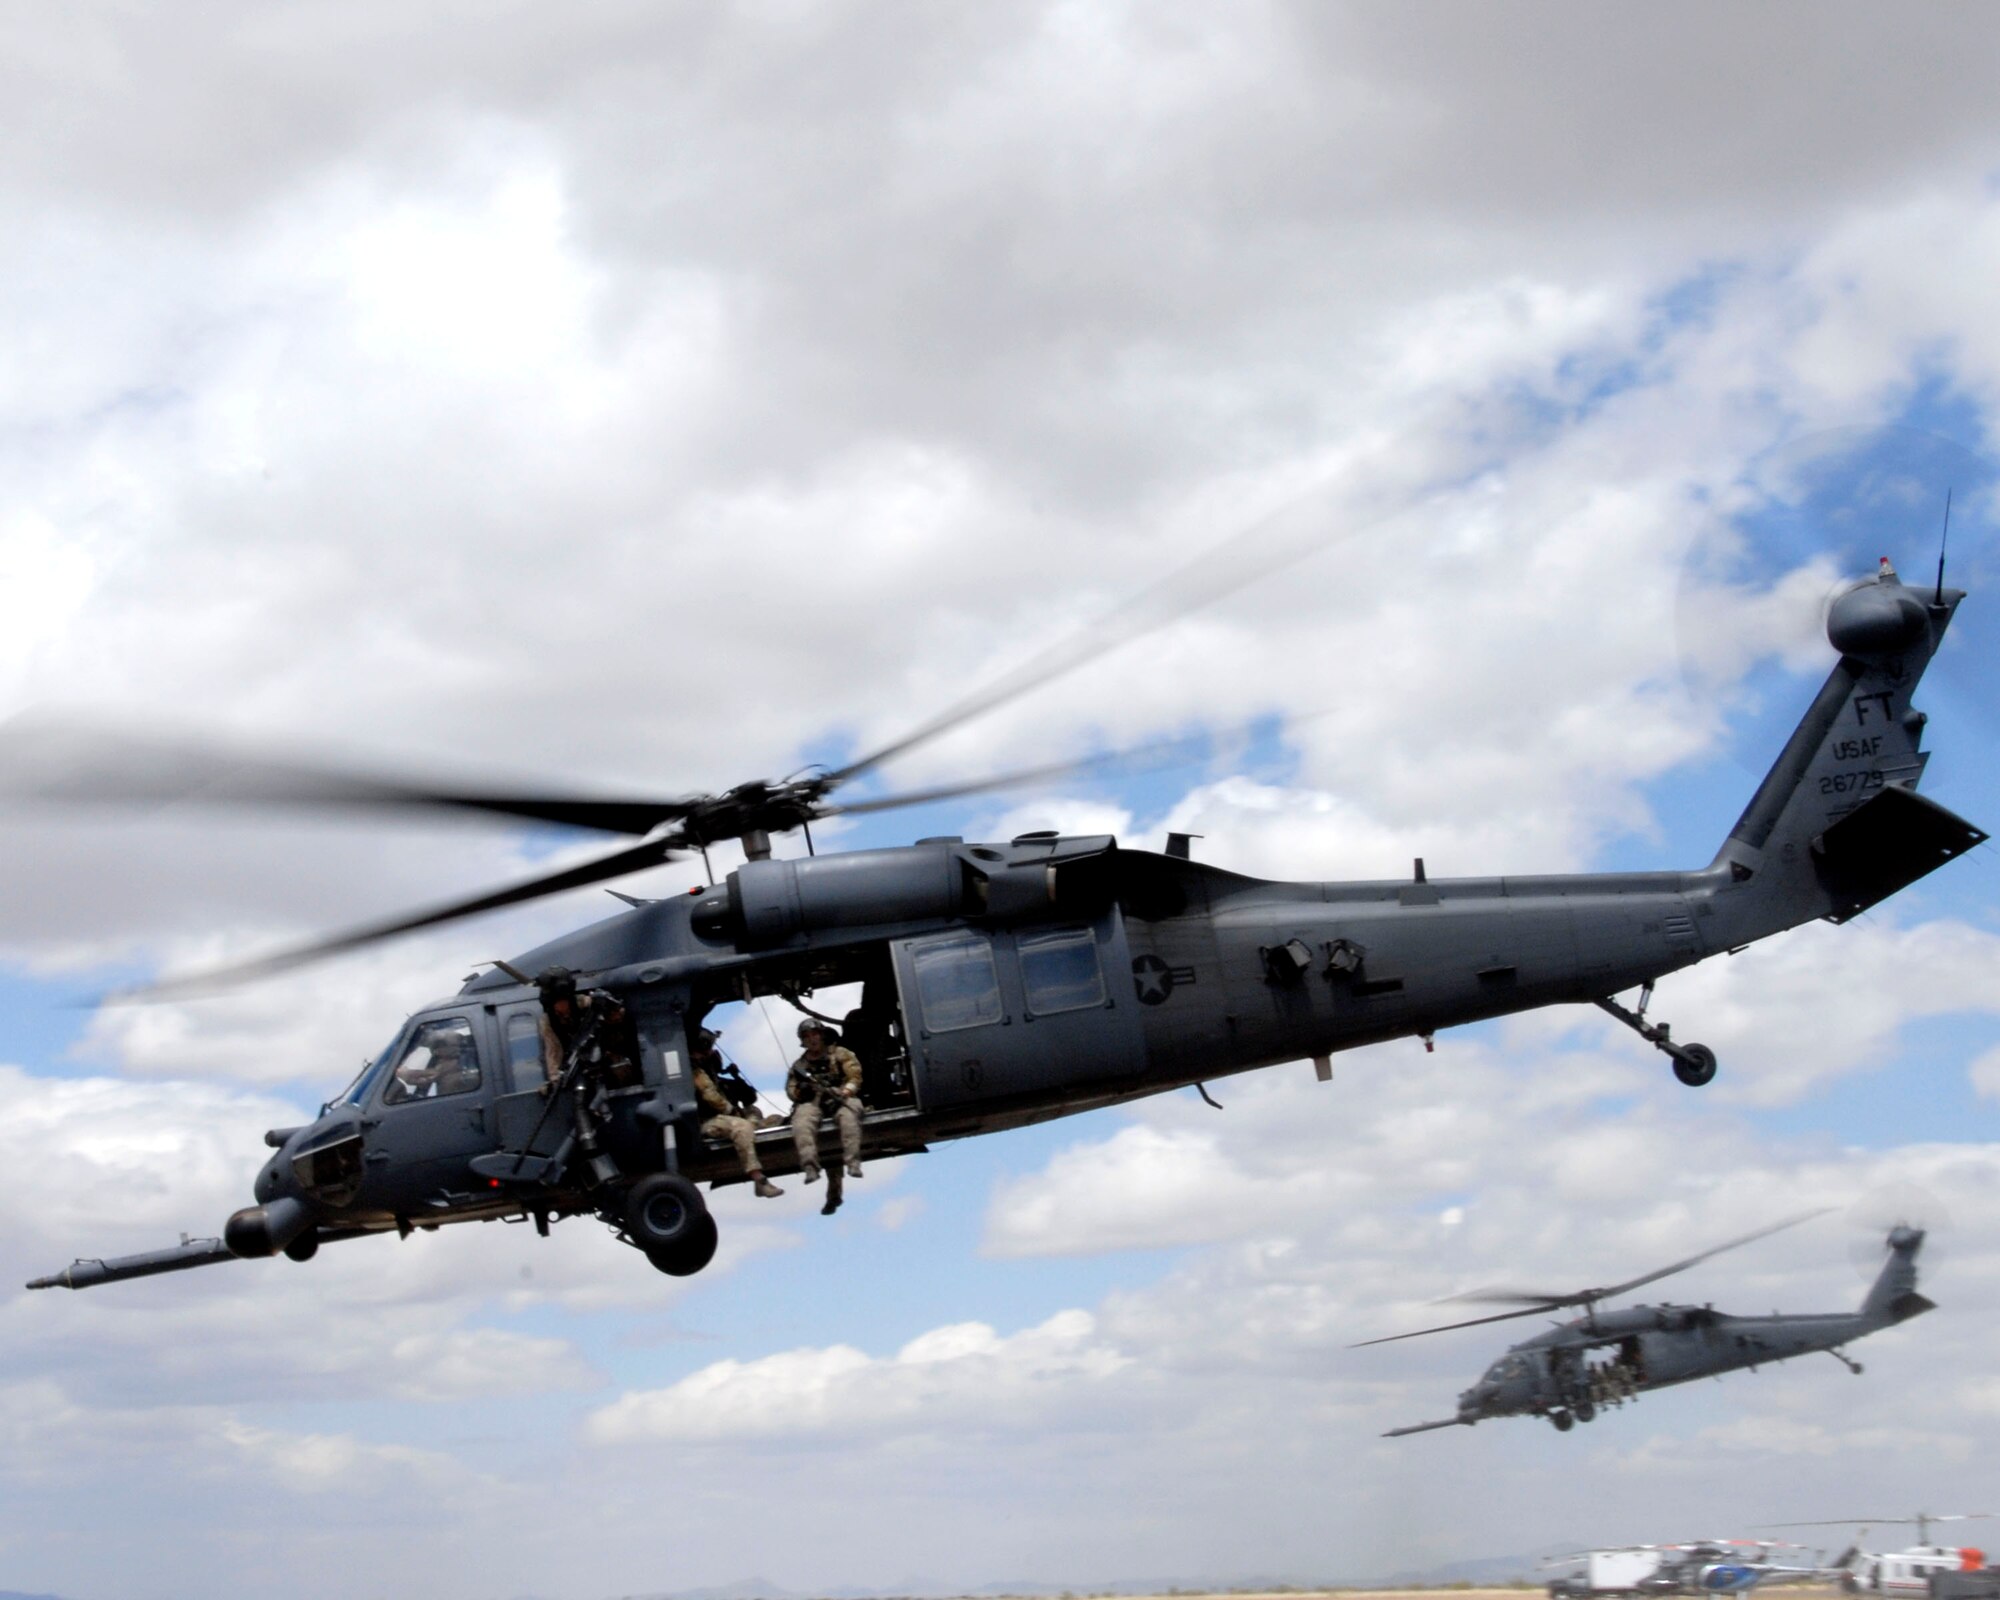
(1152, 978)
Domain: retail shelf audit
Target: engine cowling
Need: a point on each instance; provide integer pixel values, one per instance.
(771, 902)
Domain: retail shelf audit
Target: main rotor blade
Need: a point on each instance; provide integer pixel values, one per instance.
(1854, 1522)
(1446, 1327)
(1157, 754)
(43, 761)
(634, 858)
(1733, 1244)
(1580, 1297)
(1518, 1297)
(1283, 538)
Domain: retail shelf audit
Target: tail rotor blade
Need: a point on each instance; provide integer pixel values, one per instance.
(1807, 517)
(1889, 1206)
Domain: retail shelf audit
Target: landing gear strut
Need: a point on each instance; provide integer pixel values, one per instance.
(1694, 1064)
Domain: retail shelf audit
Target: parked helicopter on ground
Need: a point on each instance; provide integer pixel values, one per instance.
(1605, 1358)
(1003, 984)
(1906, 1571)
(1705, 1566)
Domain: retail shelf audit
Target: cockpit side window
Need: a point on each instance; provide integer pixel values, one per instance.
(524, 1053)
(440, 1060)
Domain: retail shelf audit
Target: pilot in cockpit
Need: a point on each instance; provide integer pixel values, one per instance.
(435, 1064)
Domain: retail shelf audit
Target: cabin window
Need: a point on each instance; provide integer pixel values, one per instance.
(524, 1053)
(956, 982)
(1059, 971)
(440, 1060)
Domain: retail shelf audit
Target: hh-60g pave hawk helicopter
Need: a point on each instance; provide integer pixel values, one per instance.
(1008, 983)
(1604, 1358)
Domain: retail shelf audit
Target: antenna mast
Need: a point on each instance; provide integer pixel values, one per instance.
(1938, 598)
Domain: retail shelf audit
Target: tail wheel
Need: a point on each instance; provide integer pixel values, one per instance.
(693, 1253)
(1696, 1067)
(664, 1212)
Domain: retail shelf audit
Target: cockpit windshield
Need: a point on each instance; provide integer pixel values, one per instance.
(357, 1091)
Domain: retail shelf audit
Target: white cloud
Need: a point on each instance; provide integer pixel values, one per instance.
(1141, 1188)
(1985, 1074)
(965, 1376)
(324, 1464)
(656, 401)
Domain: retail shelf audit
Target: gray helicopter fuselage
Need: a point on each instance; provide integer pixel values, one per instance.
(1611, 1355)
(1661, 1346)
(1005, 984)
(1163, 975)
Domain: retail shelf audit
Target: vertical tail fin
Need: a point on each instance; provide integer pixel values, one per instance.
(1837, 825)
(1893, 1297)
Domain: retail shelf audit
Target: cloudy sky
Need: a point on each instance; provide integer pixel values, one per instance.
(667, 395)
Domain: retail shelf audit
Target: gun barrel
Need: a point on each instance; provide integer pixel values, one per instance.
(85, 1274)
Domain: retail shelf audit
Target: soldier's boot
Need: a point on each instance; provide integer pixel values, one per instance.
(765, 1187)
(810, 1173)
(834, 1194)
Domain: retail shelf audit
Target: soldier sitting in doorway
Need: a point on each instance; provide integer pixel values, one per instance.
(825, 1081)
(724, 1116)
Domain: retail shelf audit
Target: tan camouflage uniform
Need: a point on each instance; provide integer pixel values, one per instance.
(841, 1068)
(555, 1049)
(720, 1121)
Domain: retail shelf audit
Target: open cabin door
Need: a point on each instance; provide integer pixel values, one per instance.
(1019, 1014)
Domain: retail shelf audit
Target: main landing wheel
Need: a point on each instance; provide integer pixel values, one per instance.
(305, 1246)
(1696, 1067)
(691, 1255)
(663, 1212)
(1563, 1421)
(1586, 1412)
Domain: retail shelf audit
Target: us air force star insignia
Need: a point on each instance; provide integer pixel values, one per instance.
(1153, 978)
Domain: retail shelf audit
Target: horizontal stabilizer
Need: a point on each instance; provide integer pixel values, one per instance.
(1425, 1427)
(1906, 1306)
(1886, 843)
